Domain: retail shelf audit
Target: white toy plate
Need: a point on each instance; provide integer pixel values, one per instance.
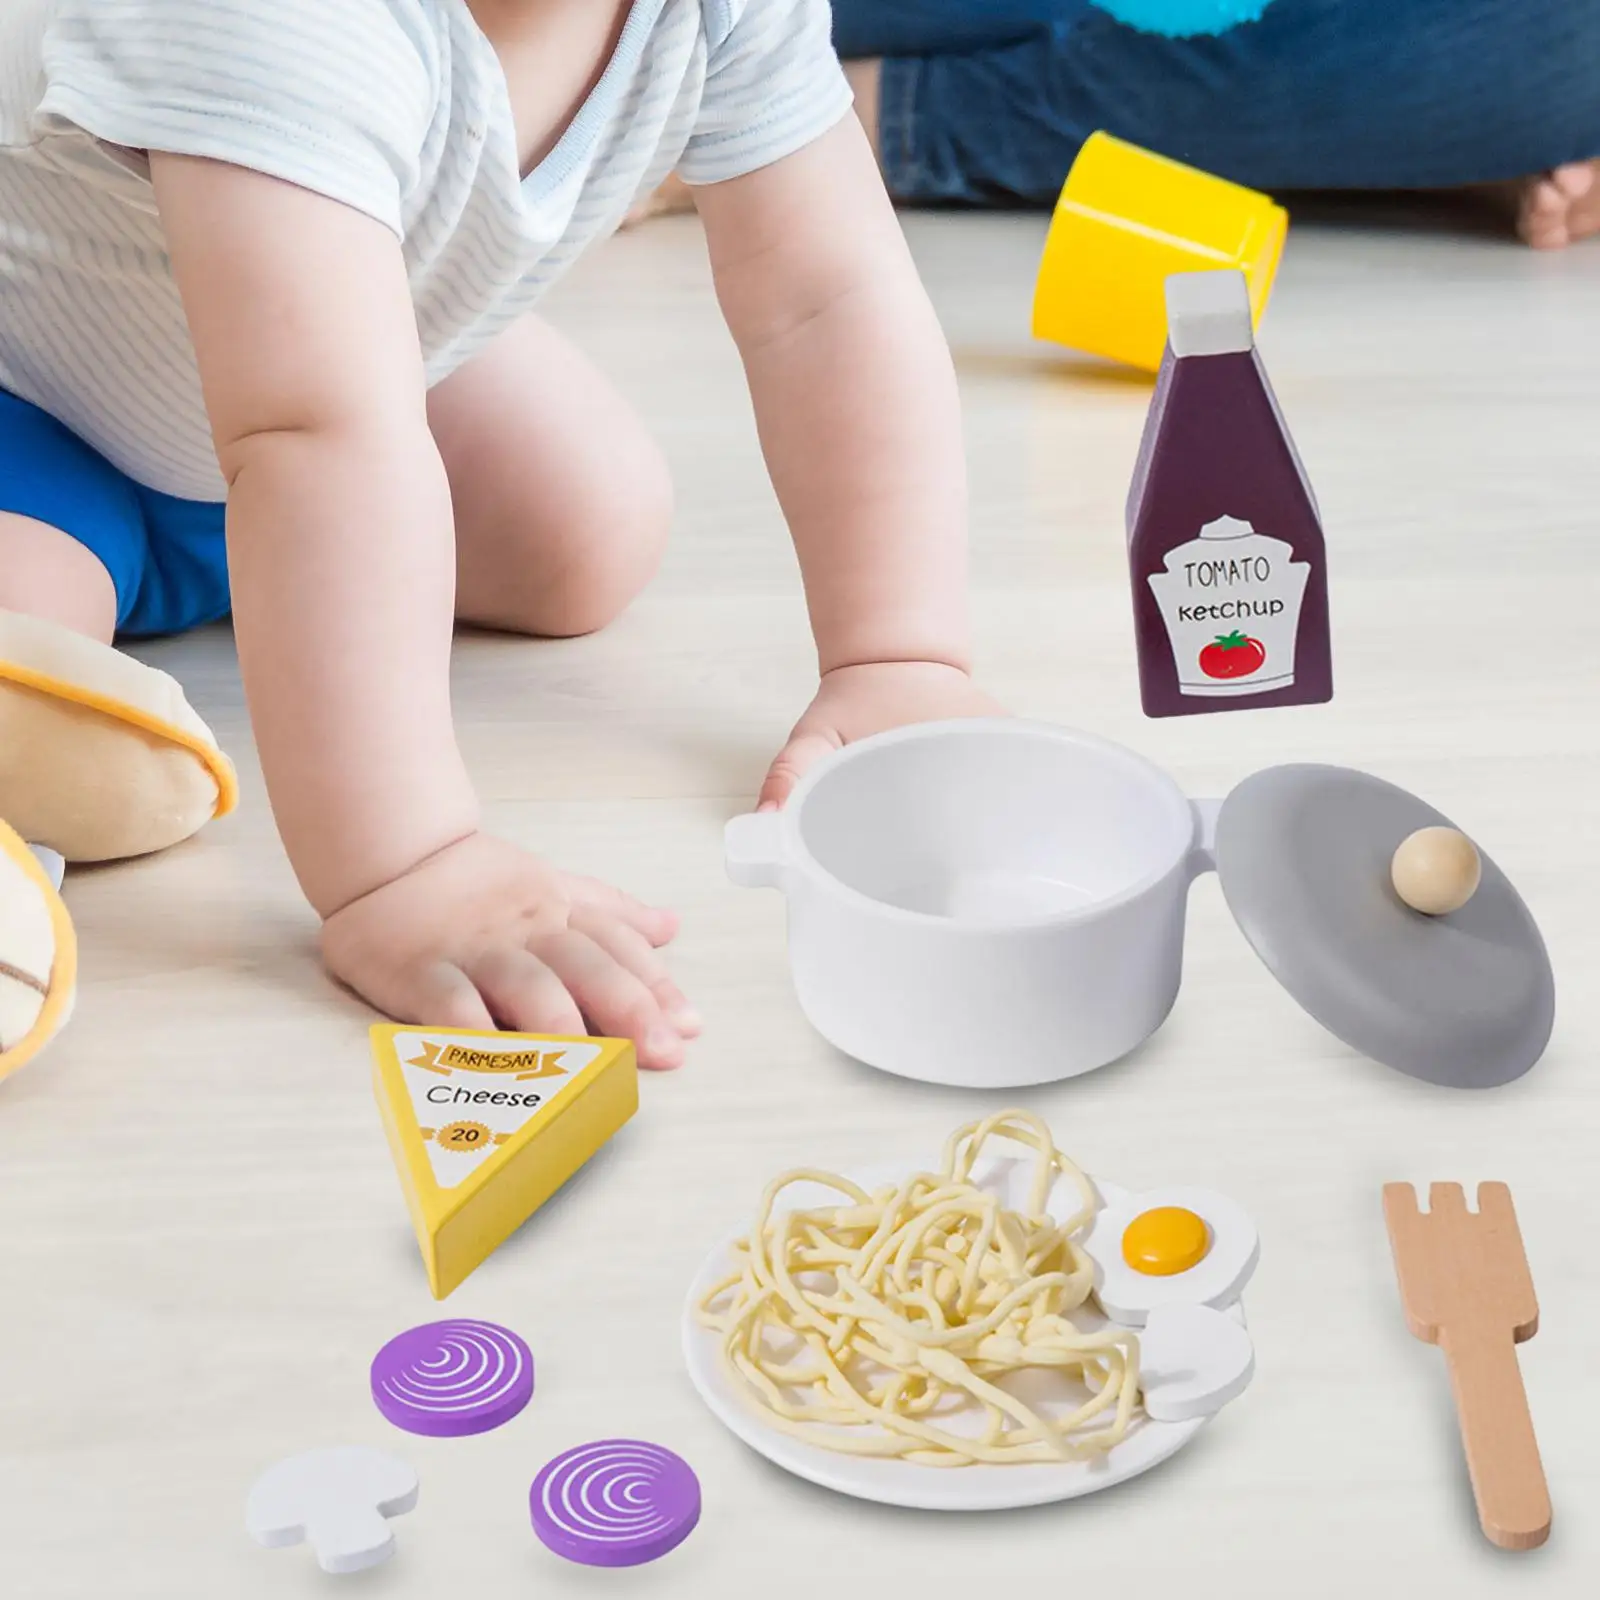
(980, 1487)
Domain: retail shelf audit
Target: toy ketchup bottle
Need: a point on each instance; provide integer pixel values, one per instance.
(1225, 549)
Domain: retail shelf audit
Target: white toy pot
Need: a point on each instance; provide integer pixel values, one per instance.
(987, 903)
(1000, 903)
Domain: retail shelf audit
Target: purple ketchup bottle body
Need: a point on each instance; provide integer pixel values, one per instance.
(1225, 547)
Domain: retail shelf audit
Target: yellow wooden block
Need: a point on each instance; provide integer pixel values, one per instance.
(485, 1127)
(1127, 219)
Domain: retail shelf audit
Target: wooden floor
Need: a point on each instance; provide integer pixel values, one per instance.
(203, 1242)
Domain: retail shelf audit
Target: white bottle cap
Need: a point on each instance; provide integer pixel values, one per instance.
(1208, 313)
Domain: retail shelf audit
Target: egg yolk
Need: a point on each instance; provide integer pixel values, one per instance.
(1165, 1241)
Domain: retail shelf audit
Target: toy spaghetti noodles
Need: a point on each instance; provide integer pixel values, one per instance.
(861, 1327)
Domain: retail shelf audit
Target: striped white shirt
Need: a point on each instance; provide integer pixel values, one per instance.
(395, 107)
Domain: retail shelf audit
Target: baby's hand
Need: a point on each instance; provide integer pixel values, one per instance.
(482, 935)
(854, 702)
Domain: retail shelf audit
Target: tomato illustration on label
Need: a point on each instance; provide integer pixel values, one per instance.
(1233, 655)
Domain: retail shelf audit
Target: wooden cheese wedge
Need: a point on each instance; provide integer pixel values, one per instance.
(485, 1127)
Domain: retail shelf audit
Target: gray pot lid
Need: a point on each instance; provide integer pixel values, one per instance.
(1303, 854)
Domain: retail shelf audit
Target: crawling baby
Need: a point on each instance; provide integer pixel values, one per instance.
(269, 347)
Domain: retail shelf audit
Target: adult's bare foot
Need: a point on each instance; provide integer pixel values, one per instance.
(1559, 207)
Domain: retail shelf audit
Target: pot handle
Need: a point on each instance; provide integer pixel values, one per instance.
(1203, 853)
(752, 850)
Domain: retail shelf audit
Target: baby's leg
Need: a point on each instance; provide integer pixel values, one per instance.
(562, 499)
(99, 756)
(47, 573)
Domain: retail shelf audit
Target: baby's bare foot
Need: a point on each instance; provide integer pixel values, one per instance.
(1559, 207)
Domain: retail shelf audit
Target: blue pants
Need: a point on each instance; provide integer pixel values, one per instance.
(987, 101)
(168, 558)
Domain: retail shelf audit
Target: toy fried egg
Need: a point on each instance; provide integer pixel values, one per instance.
(1171, 1262)
(1170, 1247)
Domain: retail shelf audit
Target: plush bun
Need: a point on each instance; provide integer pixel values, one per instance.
(38, 955)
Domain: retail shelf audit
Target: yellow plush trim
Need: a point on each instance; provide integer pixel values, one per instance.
(215, 762)
(63, 969)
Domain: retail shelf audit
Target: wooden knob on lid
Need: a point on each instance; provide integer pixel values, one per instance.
(1436, 871)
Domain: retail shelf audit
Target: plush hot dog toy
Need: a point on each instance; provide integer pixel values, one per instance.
(101, 757)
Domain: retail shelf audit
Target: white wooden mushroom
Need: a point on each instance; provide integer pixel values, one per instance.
(338, 1501)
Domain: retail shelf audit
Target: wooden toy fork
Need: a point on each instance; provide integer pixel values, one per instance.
(1465, 1286)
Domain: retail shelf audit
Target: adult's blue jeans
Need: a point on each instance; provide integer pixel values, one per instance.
(987, 101)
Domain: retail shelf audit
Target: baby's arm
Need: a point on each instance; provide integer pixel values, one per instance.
(339, 527)
(855, 396)
(341, 552)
